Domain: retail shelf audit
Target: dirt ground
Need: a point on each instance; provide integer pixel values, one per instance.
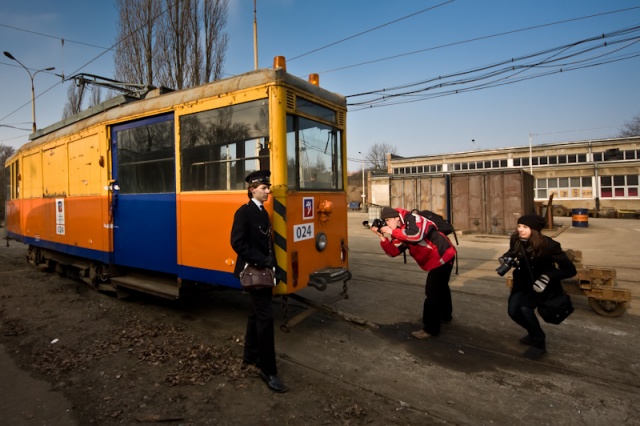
(73, 356)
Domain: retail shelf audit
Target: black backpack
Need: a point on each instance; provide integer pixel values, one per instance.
(443, 225)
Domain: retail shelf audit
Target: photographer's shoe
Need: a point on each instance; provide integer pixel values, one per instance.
(421, 334)
(534, 352)
(526, 340)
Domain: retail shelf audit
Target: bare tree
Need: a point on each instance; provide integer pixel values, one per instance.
(74, 100)
(377, 156)
(96, 97)
(176, 41)
(631, 127)
(138, 24)
(214, 19)
(5, 152)
(171, 43)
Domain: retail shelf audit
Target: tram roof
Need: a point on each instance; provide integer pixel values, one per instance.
(122, 105)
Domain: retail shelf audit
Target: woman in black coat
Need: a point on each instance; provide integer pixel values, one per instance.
(541, 265)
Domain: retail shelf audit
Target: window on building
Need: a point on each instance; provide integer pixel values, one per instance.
(597, 156)
(564, 187)
(582, 158)
(619, 186)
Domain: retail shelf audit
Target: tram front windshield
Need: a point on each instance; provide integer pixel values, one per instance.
(314, 155)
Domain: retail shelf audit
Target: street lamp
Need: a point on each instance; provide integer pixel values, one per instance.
(33, 92)
(364, 192)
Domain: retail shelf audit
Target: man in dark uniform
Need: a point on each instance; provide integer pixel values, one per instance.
(252, 240)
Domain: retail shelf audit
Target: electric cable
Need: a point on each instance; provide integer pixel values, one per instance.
(370, 30)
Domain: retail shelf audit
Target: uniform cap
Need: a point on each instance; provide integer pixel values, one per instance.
(260, 176)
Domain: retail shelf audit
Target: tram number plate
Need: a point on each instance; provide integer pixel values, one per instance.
(303, 232)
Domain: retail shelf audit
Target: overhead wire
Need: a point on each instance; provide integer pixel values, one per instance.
(162, 12)
(369, 30)
(337, 42)
(509, 66)
(535, 27)
(53, 37)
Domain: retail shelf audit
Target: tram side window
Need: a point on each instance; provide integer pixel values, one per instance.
(220, 147)
(146, 159)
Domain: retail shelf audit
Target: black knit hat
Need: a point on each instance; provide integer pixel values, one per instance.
(533, 221)
(388, 212)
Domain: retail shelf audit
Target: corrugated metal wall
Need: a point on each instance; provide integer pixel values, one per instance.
(488, 202)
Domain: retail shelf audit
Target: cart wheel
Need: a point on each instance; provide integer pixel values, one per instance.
(607, 308)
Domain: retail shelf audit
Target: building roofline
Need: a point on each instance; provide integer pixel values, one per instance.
(508, 150)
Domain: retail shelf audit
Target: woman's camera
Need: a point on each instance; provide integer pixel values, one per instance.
(507, 261)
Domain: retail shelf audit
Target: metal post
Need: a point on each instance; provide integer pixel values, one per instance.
(364, 191)
(530, 155)
(33, 91)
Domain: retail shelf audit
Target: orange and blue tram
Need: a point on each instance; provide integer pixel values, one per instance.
(140, 193)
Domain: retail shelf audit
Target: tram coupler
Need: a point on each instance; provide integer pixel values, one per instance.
(325, 308)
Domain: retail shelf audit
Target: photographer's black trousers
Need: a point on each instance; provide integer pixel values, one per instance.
(523, 314)
(437, 305)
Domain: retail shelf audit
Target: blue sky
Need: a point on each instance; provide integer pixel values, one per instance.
(331, 37)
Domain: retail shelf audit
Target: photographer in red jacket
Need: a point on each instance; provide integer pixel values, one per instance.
(432, 251)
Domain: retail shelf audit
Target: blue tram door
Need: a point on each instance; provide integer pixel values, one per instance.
(144, 194)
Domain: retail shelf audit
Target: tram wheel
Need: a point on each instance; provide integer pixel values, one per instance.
(607, 308)
(99, 273)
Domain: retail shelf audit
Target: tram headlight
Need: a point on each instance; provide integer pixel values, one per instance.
(321, 241)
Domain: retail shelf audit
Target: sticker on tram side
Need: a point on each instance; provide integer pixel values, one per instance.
(60, 216)
(307, 208)
(303, 232)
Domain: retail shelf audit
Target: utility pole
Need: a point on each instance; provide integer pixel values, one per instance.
(255, 36)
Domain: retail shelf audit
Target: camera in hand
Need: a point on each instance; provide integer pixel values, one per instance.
(507, 261)
(378, 223)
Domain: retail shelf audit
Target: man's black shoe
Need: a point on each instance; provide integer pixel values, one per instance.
(273, 382)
